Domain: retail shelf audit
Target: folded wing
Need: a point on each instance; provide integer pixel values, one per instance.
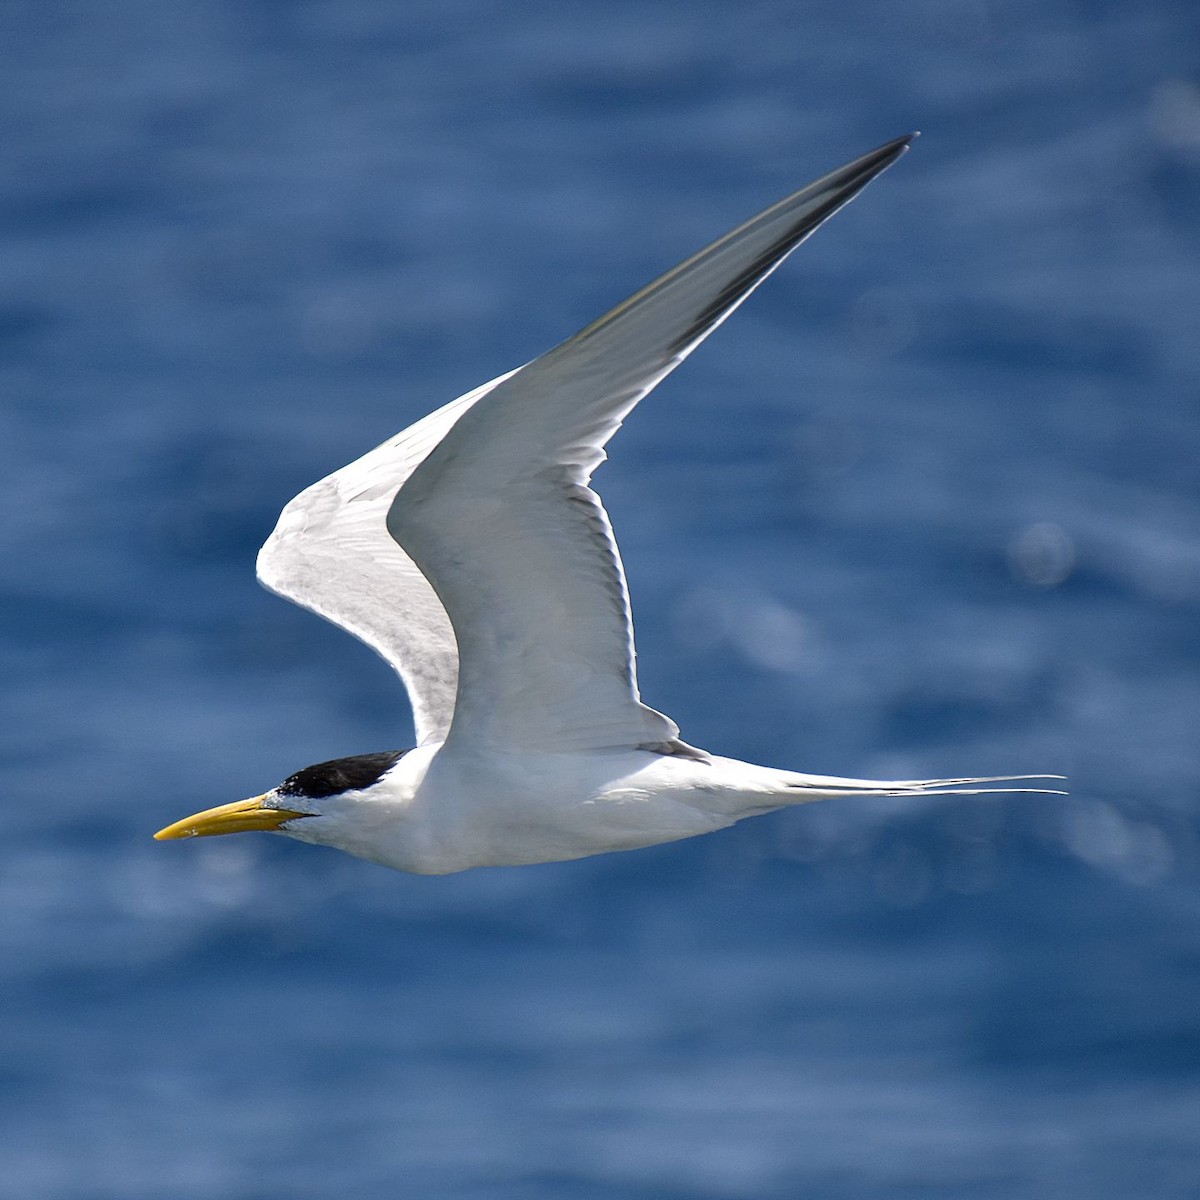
(499, 517)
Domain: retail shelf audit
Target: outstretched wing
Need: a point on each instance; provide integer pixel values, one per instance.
(331, 553)
(500, 519)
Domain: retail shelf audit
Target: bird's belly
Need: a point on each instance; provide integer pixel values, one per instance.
(557, 807)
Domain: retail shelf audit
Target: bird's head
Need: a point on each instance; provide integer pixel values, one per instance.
(314, 792)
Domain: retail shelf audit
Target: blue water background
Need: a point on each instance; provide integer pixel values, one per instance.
(929, 504)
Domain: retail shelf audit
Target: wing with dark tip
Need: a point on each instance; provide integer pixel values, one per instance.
(500, 518)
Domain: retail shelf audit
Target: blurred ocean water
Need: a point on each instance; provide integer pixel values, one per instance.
(929, 504)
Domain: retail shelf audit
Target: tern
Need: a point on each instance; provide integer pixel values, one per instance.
(471, 552)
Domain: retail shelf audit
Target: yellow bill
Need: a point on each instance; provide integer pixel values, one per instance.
(239, 817)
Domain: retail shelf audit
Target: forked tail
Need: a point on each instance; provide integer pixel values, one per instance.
(825, 787)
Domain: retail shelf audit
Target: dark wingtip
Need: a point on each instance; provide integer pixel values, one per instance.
(898, 146)
(883, 156)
